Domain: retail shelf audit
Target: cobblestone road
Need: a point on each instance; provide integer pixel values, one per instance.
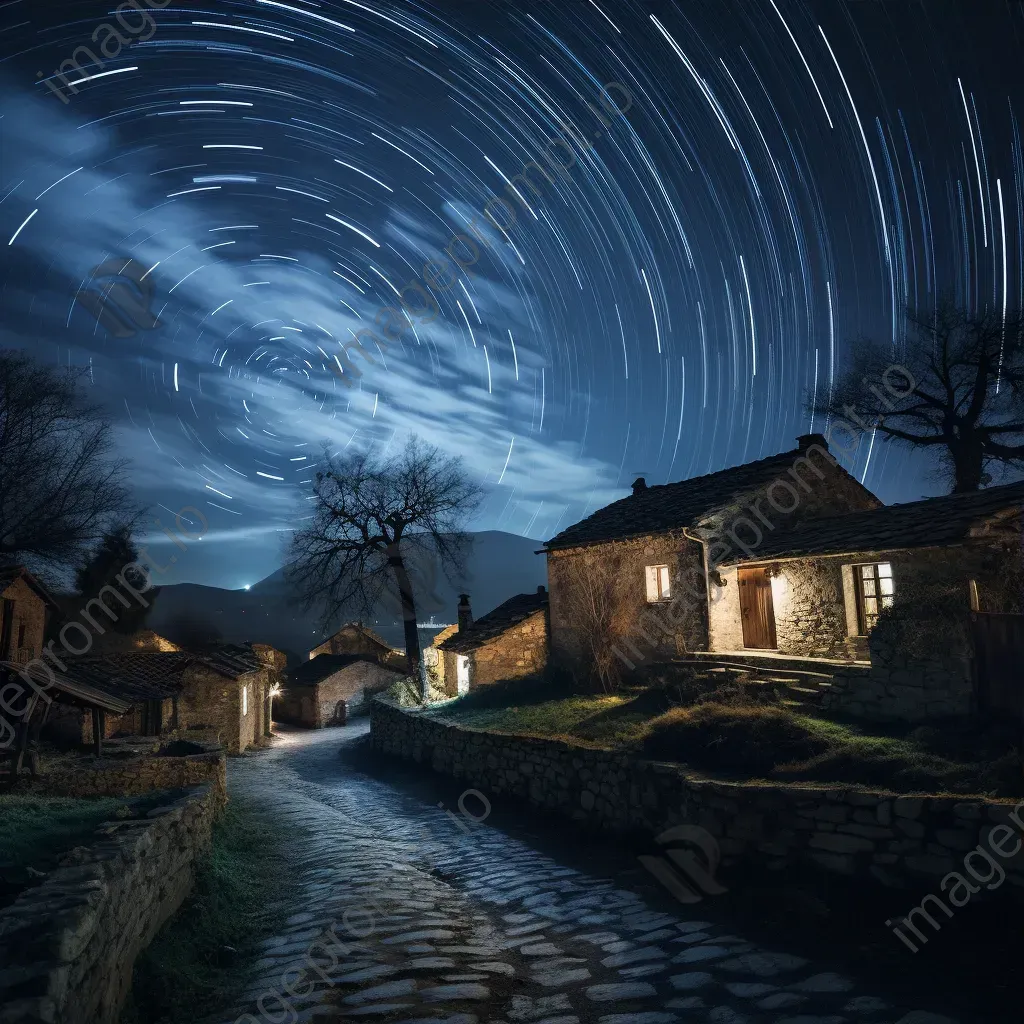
(408, 914)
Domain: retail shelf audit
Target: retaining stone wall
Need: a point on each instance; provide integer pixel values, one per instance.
(893, 839)
(68, 946)
(134, 777)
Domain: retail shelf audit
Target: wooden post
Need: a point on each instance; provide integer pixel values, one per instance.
(97, 731)
(23, 732)
(975, 603)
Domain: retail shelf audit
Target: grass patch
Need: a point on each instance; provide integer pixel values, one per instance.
(744, 730)
(35, 831)
(200, 957)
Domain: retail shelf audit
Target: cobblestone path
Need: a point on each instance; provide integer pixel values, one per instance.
(409, 914)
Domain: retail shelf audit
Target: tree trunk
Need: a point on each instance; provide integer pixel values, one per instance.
(968, 464)
(412, 635)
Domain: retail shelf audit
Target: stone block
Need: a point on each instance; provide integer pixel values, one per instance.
(836, 843)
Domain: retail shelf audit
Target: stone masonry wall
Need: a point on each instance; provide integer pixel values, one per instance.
(29, 616)
(520, 651)
(68, 945)
(616, 571)
(922, 651)
(895, 840)
(133, 777)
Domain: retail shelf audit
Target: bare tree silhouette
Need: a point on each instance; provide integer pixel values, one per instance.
(61, 486)
(371, 518)
(957, 390)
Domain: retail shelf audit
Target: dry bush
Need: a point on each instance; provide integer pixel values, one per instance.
(741, 739)
(927, 620)
(600, 620)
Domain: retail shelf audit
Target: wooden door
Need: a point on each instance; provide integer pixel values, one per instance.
(757, 612)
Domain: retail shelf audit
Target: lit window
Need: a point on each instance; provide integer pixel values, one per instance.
(245, 700)
(874, 592)
(658, 586)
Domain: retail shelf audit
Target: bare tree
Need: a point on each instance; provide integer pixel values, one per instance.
(61, 486)
(373, 518)
(957, 390)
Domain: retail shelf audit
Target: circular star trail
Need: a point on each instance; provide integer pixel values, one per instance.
(572, 242)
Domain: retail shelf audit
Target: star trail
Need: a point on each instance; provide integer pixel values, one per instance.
(572, 241)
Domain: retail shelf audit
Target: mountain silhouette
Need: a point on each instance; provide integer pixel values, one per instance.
(498, 566)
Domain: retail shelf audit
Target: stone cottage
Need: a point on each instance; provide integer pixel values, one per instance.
(507, 643)
(220, 696)
(633, 578)
(897, 587)
(332, 688)
(25, 605)
(356, 638)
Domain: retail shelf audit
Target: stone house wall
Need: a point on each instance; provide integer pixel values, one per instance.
(68, 945)
(812, 601)
(521, 650)
(334, 699)
(616, 571)
(29, 614)
(903, 841)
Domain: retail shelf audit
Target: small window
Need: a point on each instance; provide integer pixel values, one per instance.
(874, 592)
(21, 635)
(245, 700)
(658, 586)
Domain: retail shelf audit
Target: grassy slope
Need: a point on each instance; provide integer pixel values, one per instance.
(199, 959)
(36, 830)
(742, 739)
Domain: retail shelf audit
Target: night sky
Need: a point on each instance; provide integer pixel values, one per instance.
(725, 195)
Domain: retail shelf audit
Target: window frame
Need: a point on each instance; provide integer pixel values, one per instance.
(882, 600)
(652, 583)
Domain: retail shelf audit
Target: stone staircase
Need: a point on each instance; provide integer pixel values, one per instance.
(802, 682)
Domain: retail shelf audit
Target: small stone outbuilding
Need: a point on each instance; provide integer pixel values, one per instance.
(507, 643)
(25, 605)
(356, 638)
(331, 688)
(221, 696)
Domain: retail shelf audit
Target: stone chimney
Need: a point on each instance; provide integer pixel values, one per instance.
(805, 441)
(465, 613)
(639, 485)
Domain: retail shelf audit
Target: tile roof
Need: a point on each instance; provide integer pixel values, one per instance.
(231, 660)
(358, 627)
(664, 507)
(156, 675)
(494, 623)
(323, 665)
(134, 675)
(927, 523)
(70, 686)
